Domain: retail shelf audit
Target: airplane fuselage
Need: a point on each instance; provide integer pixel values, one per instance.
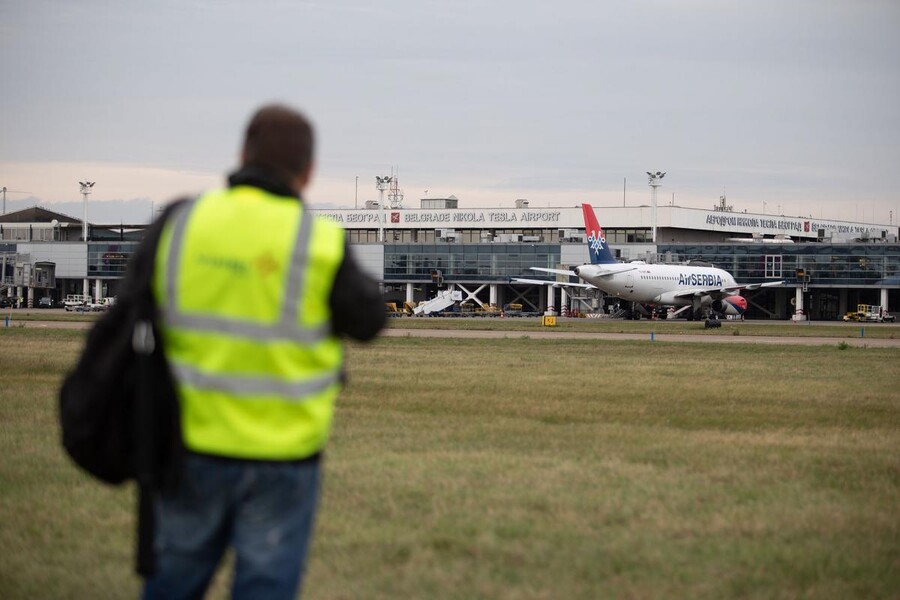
(657, 284)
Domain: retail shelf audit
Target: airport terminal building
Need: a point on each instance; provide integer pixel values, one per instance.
(417, 252)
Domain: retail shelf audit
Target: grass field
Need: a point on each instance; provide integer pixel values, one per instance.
(522, 468)
(34, 314)
(835, 329)
(675, 327)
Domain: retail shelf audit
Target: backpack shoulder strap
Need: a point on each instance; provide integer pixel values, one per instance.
(136, 289)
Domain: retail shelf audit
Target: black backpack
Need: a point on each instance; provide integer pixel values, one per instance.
(118, 408)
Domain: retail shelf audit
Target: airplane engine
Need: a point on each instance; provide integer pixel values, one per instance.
(732, 305)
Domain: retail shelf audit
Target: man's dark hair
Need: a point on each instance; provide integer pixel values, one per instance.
(280, 139)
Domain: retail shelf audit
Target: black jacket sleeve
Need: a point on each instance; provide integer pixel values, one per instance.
(139, 276)
(357, 308)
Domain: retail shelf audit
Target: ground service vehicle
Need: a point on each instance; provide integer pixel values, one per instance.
(104, 304)
(869, 313)
(76, 302)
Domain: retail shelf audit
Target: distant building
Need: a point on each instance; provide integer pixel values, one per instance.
(478, 250)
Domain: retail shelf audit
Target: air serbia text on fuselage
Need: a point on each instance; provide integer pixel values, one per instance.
(701, 279)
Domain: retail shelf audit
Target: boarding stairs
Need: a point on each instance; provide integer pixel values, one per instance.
(442, 301)
(673, 314)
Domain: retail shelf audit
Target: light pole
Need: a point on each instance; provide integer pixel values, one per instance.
(381, 184)
(4, 190)
(654, 183)
(85, 192)
(356, 194)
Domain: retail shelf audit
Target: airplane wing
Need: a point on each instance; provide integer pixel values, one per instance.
(555, 271)
(718, 291)
(553, 283)
(725, 291)
(756, 286)
(611, 270)
(597, 270)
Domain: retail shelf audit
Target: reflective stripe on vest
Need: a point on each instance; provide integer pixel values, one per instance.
(292, 391)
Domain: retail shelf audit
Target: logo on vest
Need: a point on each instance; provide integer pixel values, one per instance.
(233, 265)
(265, 264)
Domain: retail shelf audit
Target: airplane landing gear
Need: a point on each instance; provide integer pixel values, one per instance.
(696, 313)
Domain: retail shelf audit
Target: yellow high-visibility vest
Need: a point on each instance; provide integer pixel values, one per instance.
(242, 280)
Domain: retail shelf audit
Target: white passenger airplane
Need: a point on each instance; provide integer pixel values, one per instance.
(650, 284)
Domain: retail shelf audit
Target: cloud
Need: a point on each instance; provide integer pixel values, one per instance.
(52, 182)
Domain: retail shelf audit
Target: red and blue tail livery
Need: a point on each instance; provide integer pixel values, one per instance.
(597, 246)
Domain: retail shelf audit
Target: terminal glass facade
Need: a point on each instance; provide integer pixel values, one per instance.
(494, 236)
(628, 236)
(109, 260)
(854, 265)
(466, 262)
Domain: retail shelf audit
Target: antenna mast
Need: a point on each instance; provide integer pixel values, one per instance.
(4, 191)
(395, 194)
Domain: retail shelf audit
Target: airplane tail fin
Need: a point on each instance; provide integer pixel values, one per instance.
(597, 247)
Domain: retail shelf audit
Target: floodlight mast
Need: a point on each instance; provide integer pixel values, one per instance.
(381, 184)
(85, 192)
(654, 183)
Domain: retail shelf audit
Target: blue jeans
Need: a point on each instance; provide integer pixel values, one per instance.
(263, 509)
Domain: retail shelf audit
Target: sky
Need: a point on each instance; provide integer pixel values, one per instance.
(785, 106)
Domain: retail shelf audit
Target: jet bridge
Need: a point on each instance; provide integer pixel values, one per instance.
(18, 271)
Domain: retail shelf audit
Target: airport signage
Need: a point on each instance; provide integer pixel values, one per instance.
(404, 218)
(610, 218)
(783, 225)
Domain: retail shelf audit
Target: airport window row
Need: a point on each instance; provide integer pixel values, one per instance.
(825, 264)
